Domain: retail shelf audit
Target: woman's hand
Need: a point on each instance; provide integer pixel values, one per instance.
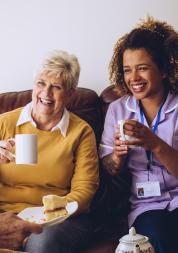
(120, 149)
(14, 230)
(144, 138)
(114, 161)
(144, 135)
(6, 147)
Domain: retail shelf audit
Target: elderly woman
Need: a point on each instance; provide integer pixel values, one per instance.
(67, 156)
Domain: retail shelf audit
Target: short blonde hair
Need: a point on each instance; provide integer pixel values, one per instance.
(64, 66)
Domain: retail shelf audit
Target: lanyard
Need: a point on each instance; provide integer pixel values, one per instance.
(153, 129)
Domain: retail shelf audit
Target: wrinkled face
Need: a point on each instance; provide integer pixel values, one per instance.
(49, 96)
(142, 76)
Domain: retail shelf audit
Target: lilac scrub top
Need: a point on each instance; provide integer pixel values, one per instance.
(127, 107)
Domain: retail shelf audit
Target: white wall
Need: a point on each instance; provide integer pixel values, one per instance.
(88, 28)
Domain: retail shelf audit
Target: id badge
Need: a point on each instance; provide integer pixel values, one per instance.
(148, 189)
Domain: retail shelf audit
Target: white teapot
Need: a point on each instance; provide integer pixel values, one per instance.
(134, 243)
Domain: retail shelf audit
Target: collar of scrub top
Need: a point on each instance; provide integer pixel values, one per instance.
(171, 103)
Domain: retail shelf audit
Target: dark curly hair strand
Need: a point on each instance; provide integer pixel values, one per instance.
(160, 40)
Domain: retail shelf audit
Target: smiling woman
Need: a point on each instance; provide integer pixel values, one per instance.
(144, 70)
(52, 90)
(67, 157)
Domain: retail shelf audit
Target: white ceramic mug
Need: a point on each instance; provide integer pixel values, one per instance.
(26, 148)
(125, 137)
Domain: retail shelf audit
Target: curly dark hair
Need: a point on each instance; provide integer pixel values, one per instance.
(160, 40)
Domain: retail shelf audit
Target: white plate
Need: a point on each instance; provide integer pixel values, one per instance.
(36, 214)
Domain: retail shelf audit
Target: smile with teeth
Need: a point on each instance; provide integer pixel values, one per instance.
(137, 87)
(46, 101)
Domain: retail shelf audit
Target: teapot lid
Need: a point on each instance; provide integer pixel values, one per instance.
(133, 237)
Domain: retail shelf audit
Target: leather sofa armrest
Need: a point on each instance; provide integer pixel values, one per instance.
(107, 96)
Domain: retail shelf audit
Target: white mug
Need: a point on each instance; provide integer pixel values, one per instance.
(26, 148)
(125, 137)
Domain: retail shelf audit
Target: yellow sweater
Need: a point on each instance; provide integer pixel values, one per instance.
(66, 165)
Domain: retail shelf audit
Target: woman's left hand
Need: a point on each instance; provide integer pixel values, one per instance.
(144, 135)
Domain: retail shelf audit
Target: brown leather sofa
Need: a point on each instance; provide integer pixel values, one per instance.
(110, 206)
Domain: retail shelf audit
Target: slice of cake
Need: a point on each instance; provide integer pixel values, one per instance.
(54, 206)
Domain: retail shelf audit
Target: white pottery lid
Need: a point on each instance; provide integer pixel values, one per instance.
(133, 237)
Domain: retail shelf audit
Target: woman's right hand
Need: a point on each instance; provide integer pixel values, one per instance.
(114, 161)
(6, 147)
(120, 150)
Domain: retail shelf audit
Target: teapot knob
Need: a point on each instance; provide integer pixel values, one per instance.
(137, 249)
(132, 231)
